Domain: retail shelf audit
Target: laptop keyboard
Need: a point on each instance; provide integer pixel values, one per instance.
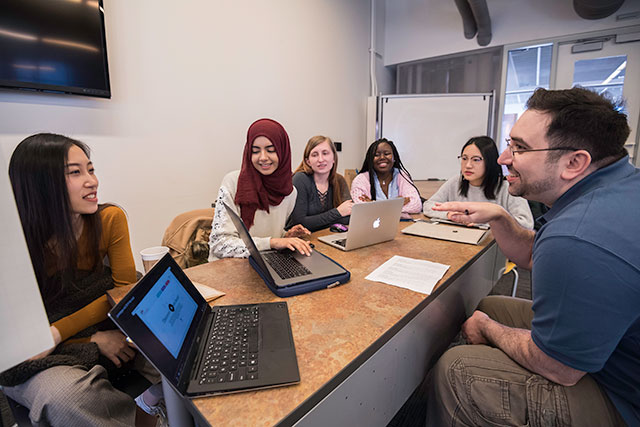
(286, 266)
(232, 353)
(341, 242)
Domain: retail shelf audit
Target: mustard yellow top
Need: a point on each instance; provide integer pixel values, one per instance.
(116, 246)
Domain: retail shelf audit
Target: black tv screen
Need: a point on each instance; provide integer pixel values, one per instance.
(54, 45)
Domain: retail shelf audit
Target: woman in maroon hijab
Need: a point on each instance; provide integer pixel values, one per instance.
(262, 193)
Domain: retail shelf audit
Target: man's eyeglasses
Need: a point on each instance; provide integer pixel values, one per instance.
(511, 147)
(475, 160)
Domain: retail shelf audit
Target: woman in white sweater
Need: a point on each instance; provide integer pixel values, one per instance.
(262, 193)
(480, 180)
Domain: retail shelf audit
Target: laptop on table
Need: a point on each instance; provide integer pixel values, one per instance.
(370, 223)
(455, 233)
(204, 350)
(480, 225)
(289, 273)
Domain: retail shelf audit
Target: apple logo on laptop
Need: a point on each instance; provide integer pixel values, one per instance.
(376, 223)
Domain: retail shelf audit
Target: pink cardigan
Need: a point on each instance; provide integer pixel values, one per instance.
(361, 187)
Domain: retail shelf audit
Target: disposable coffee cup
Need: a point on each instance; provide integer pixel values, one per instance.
(152, 255)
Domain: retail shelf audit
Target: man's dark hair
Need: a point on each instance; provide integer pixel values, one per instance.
(583, 119)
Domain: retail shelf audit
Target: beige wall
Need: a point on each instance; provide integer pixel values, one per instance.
(187, 80)
(418, 29)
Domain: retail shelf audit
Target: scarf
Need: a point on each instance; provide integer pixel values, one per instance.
(256, 191)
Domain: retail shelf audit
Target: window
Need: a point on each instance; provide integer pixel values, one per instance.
(602, 75)
(527, 69)
(467, 72)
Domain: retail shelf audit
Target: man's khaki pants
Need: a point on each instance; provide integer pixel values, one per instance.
(478, 385)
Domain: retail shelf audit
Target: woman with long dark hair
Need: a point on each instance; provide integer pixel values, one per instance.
(480, 180)
(383, 176)
(323, 194)
(262, 193)
(68, 235)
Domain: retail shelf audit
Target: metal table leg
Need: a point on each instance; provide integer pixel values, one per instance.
(176, 411)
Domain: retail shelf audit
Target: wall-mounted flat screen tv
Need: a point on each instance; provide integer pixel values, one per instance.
(54, 46)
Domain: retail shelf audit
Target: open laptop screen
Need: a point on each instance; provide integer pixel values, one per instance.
(162, 316)
(168, 311)
(246, 238)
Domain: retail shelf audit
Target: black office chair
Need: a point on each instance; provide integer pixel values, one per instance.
(537, 210)
(130, 382)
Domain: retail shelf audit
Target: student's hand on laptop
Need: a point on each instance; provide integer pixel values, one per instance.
(114, 346)
(292, 243)
(364, 198)
(297, 230)
(471, 212)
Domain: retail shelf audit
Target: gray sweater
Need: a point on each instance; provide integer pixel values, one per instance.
(308, 210)
(516, 206)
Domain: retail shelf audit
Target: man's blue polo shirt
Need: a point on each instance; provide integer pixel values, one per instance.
(586, 282)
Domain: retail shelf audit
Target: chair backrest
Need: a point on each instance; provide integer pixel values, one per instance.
(349, 175)
(187, 237)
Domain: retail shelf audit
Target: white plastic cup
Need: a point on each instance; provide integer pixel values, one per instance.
(151, 255)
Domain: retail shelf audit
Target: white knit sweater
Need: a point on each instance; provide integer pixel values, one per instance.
(516, 206)
(225, 242)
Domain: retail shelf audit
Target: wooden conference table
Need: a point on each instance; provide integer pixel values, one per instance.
(362, 347)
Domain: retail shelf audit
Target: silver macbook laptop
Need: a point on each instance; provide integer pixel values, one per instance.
(453, 233)
(370, 223)
(287, 268)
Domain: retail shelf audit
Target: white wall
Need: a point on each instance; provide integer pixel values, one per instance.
(418, 29)
(188, 78)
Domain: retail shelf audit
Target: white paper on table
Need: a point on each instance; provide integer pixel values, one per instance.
(207, 292)
(415, 274)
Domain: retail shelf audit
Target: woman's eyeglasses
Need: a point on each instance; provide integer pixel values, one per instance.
(475, 160)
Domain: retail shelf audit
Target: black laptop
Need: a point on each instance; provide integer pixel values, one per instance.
(204, 350)
(289, 273)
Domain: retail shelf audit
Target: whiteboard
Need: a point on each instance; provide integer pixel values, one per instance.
(24, 328)
(430, 130)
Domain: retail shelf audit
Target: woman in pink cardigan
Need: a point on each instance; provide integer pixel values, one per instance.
(383, 176)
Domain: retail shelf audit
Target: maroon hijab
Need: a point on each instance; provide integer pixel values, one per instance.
(257, 191)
